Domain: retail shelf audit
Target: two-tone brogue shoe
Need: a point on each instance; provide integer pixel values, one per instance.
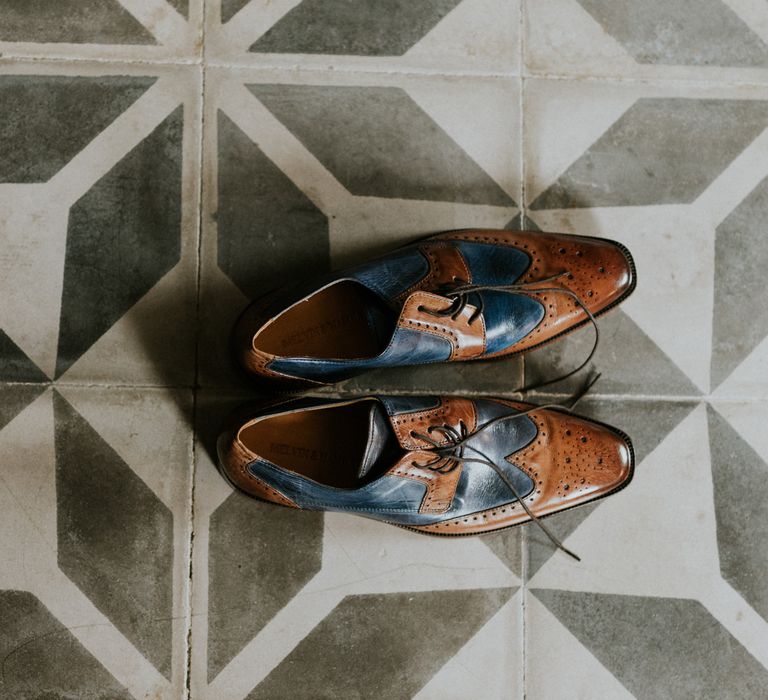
(462, 295)
(439, 465)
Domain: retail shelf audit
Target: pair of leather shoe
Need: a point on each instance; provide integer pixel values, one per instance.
(435, 464)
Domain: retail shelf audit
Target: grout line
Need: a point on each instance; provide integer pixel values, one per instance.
(266, 66)
(523, 215)
(98, 385)
(10, 59)
(521, 137)
(365, 391)
(523, 611)
(651, 79)
(523, 128)
(415, 71)
(190, 549)
(259, 65)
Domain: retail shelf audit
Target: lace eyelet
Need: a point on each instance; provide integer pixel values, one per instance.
(420, 308)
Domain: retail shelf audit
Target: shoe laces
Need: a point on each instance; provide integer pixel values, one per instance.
(450, 456)
(460, 290)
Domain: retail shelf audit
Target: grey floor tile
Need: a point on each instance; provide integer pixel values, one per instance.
(99, 214)
(102, 29)
(660, 151)
(71, 22)
(375, 29)
(41, 658)
(655, 647)
(740, 257)
(739, 477)
(229, 8)
(253, 578)
(292, 236)
(379, 143)
(409, 628)
(49, 119)
(96, 523)
(709, 34)
(710, 40)
(436, 36)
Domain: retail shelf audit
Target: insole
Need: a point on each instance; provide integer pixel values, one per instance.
(335, 323)
(326, 445)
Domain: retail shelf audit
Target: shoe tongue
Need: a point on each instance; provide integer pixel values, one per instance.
(382, 443)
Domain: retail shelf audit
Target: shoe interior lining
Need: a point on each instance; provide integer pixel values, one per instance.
(344, 321)
(326, 445)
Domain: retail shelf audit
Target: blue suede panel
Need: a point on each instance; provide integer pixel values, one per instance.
(493, 264)
(388, 495)
(390, 276)
(406, 348)
(509, 318)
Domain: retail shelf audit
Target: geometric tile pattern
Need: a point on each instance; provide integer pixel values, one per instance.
(375, 29)
(738, 475)
(645, 642)
(111, 261)
(41, 658)
(47, 120)
(95, 541)
(163, 161)
(71, 21)
(292, 235)
(683, 361)
(669, 33)
(658, 135)
(253, 578)
(115, 544)
(407, 624)
(17, 367)
(377, 142)
(740, 258)
(229, 8)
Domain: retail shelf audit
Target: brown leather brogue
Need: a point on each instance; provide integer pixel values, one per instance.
(462, 295)
(438, 465)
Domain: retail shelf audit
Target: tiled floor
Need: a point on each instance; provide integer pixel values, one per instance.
(163, 160)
